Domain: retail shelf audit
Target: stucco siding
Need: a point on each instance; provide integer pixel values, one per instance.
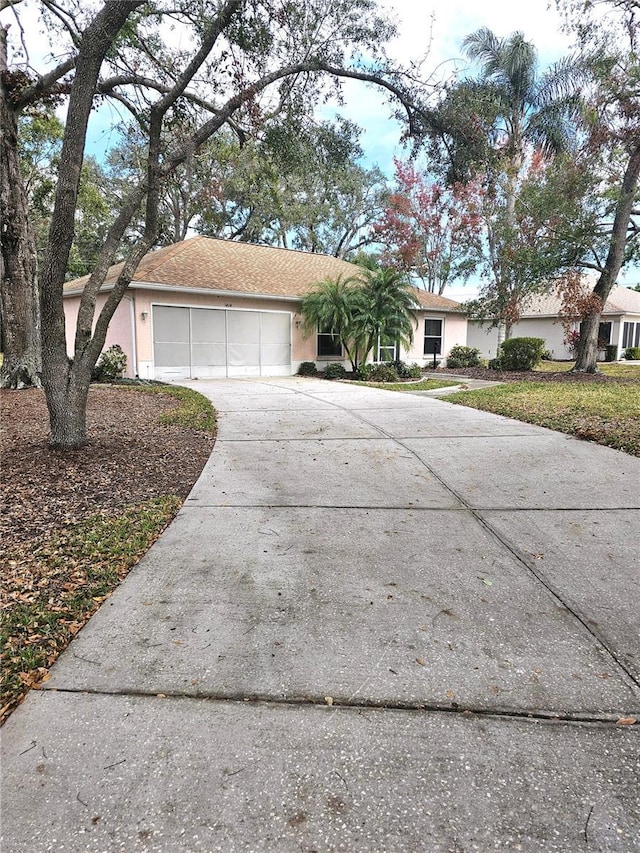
(119, 332)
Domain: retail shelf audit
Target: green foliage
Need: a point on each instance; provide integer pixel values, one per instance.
(377, 306)
(194, 411)
(632, 353)
(111, 365)
(76, 569)
(520, 353)
(334, 371)
(363, 373)
(410, 387)
(307, 368)
(611, 352)
(461, 356)
(383, 373)
(407, 371)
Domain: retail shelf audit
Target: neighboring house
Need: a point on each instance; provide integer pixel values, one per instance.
(208, 308)
(620, 325)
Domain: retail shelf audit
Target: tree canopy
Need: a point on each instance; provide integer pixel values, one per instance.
(183, 72)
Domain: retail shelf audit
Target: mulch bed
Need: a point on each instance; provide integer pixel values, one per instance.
(529, 376)
(130, 458)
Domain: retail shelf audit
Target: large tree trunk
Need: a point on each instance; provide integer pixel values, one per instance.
(19, 313)
(66, 383)
(587, 356)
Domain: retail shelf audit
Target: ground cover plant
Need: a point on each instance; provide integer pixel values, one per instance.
(75, 523)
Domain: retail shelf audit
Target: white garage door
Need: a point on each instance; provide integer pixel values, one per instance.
(205, 343)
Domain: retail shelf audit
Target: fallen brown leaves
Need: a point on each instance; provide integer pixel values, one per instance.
(74, 523)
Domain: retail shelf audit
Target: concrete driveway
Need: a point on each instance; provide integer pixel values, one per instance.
(381, 622)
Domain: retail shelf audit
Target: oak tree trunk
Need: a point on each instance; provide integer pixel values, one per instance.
(19, 312)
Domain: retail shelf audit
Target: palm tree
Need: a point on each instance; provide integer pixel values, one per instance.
(363, 312)
(331, 308)
(386, 310)
(520, 110)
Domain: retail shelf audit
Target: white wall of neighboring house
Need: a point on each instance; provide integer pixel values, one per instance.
(485, 338)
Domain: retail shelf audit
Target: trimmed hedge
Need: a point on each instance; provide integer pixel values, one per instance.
(334, 371)
(463, 357)
(520, 354)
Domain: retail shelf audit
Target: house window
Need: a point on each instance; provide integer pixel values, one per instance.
(329, 345)
(604, 334)
(387, 349)
(432, 336)
(631, 335)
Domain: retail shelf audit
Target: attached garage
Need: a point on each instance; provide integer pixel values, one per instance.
(208, 343)
(208, 309)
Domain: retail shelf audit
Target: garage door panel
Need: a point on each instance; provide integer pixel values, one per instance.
(243, 326)
(276, 328)
(172, 354)
(210, 342)
(272, 354)
(208, 326)
(243, 355)
(171, 324)
(208, 355)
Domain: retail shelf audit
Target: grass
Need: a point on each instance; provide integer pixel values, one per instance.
(193, 412)
(607, 413)
(52, 591)
(422, 385)
(613, 368)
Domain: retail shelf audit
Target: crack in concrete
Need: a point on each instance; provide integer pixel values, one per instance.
(349, 703)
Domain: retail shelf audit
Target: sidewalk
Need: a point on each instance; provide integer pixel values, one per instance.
(381, 622)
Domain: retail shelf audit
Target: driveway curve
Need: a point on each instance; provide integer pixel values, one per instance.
(379, 622)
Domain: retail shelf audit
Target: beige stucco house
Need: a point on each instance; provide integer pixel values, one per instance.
(620, 324)
(207, 308)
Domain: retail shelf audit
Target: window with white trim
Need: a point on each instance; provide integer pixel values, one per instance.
(631, 335)
(328, 344)
(433, 328)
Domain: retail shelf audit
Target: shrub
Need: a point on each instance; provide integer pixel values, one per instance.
(111, 365)
(521, 353)
(307, 368)
(463, 357)
(572, 341)
(363, 373)
(611, 352)
(334, 371)
(400, 368)
(407, 371)
(632, 353)
(494, 364)
(383, 373)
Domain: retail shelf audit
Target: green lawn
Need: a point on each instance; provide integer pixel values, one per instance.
(614, 368)
(607, 413)
(422, 385)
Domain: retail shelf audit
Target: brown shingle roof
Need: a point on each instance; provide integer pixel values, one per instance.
(206, 263)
